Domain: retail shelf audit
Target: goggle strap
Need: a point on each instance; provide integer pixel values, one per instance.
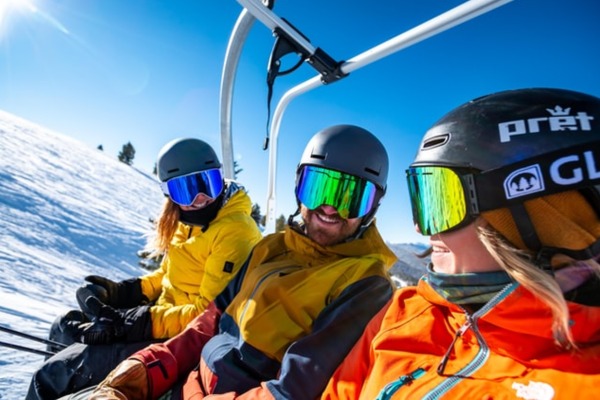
(492, 186)
(471, 195)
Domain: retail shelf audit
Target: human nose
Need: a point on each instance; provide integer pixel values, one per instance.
(328, 210)
(201, 200)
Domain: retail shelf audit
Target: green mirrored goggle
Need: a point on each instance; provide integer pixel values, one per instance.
(438, 200)
(352, 196)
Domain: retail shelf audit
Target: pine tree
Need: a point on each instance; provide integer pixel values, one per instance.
(236, 169)
(255, 214)
(127, 154)
(280, 223)
(100, 147)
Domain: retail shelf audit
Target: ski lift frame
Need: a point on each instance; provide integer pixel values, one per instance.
(261, 10)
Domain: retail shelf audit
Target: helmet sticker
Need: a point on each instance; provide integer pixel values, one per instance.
(566, 171)
(524, 181)
(558, 121)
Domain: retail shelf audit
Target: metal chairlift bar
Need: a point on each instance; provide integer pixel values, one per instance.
(232, 56)
(272, 21)
(442, 22)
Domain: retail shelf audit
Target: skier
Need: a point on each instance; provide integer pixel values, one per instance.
(205, 232)
(508, 188)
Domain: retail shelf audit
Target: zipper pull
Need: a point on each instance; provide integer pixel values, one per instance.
(459, 333)
(392, 387)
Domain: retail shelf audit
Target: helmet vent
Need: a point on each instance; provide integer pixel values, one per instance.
(172, 170)
(372, 171)
(435, 141)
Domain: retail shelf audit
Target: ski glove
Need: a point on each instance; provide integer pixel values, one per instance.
(124, 294)
(110, 325)
(128, 381)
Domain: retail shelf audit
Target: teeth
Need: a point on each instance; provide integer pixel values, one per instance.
(326, 218)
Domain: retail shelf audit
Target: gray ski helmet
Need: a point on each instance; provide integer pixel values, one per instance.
(349, 149)
(184, 156)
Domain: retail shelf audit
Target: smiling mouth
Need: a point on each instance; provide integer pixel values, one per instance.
(437, 249)
(329, 219)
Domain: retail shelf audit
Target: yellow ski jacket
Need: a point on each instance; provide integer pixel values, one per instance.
(199, 265)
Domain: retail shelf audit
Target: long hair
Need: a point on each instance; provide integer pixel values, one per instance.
(166, 226)
(517, 263)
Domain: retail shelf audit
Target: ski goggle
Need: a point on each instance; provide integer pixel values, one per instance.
(351, 196)
(184, 189)
(438, 199)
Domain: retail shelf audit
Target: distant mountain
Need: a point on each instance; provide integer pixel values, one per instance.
(409, 267)
(67, 211)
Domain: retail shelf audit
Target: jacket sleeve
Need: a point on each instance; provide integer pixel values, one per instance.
(172, 360)
(311, 361)
(152, 283)
(347, 381)
(230, 248)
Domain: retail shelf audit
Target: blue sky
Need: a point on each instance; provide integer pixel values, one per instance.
(112, 71)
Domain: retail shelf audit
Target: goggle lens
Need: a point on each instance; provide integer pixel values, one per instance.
(353, 197)
(184, 189)
(437, 198)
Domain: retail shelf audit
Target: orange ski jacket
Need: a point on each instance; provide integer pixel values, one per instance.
(503, 351)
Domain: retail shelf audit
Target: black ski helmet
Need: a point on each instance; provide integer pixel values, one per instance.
(352, 150)
(349, 149)
(511, 126)
(519, 145)
(184, 156)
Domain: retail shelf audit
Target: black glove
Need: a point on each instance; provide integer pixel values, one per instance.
(110, 325)
(124, 294)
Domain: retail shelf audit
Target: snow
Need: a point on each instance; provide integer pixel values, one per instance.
(67, 211)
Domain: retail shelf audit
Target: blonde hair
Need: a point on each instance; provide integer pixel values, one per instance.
(166, 226)
(517, 263)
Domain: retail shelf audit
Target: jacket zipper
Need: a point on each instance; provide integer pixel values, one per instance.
(483, 353)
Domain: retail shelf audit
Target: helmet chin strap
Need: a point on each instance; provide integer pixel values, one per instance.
(530, 238)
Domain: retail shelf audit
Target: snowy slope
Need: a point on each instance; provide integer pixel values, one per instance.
(67, 211)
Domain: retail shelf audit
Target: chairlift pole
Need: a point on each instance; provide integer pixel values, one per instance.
(232, 56)
(442, 22)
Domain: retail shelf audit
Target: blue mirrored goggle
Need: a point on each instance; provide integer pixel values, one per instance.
(353, 197)
(184, 189)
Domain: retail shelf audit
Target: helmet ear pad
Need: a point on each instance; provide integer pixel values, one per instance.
(592, 195)
(565, 220)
